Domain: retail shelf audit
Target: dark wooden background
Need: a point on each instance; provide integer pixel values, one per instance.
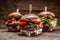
(8, 6)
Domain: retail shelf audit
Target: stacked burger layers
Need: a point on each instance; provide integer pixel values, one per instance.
(31, 24)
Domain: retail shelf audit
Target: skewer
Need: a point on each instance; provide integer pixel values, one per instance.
(45, 8)
(30, 8)
(45, 11)
(17, 10)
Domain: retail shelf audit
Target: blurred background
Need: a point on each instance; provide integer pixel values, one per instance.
(9, 6)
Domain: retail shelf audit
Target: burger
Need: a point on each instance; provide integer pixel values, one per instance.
(12, 21)
(30, 24)
(48, 19)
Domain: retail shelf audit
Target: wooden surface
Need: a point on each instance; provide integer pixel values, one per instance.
(4, 35)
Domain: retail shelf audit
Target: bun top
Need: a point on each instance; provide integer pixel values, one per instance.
(30, 17)
(14, 15)
(46, 13)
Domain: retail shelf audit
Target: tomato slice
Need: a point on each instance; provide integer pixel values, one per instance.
(10, 20)
(22, 23)
(36, 22)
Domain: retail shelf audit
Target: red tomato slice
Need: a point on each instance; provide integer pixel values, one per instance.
(36, 22)
(22, 23)
(10, 20)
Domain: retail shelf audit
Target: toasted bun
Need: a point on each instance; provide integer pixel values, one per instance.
(29, 17)
(48, 13)
(14, 15)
